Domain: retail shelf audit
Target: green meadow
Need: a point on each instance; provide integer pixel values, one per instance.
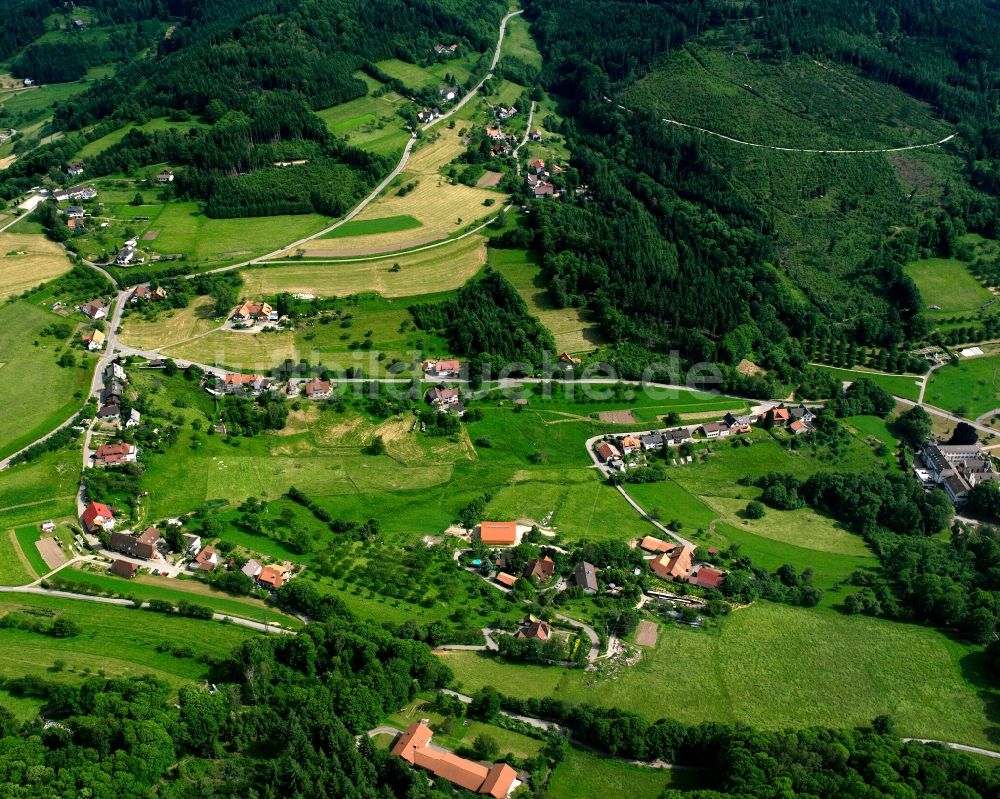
(947, 284)
(371, 227)
(773, 666)
(969, 388)
(36, 393)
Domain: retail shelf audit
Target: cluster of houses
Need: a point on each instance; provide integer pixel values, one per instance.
(74, 216)
(675, 562)
(445, 399)
(112, 391)
(150, 545)
(956, 468)
(414, 746)
(145, 291)
(614, 451)
(77, 193)
(539, 179)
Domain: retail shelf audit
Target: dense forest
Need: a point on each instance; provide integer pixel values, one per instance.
(668, 250)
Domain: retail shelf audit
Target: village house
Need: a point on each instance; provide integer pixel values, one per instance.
(715, 430)
(442, 397)
(192, 544)
(707, 577)
(506, 579)
(114, 371)
(585, 577)
(543, 189)
(271, 577)
(957, 468)
(145, 291)
(495, 134)
(737, 424)
(630, 444)
(251, 311)
(497, 534)
(535, 629)
(95, 309)
(651, 441)
(608, 452)
(776, 417)
(540, 569)
(317, 389)
(48, 526)
(536, 135)
(505, 112)
(674, 564)
(165, 176)
(93, 339)
(565, 357)
(142, 546)
(28, 82)
(115, 454)
(653, 544)
(251, 569)
(127, 254)
(75, 168)
(445, 49)
(74, 212)
(206, 560)
(74, 224)
(96, 516)
(538, 165)
(442, 368)
(448, 93)
(75, 193)
(414, 746)
(677, 436)
(798, 427)
(124, 568)
(234, 383)
(801, 413)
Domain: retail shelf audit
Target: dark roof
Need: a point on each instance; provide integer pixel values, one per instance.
(585, 575)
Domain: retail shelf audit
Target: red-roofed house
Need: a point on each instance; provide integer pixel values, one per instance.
(540, 569)
(506, 579)
(707, 577)
(442, 397)
(607, 452)
(319, 389)
(97, 515)
(541, 630)
(673, 565)
(207, 559)
(413, 746)
(271, 577)
(498, 534)
(115, 454)
(653, 544)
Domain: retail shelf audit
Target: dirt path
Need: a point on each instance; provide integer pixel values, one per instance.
(775, 148)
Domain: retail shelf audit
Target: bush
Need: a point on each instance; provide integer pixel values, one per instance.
(754, 510)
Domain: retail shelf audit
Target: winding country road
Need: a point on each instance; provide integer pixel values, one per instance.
(396, 170)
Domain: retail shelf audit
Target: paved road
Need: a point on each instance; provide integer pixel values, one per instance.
(527, 133)
(975, 750)
(949, 416)
(396, 170)
(11, 222)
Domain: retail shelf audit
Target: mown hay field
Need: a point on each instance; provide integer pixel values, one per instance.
(170, 327)
(26, 261)
(442, 268)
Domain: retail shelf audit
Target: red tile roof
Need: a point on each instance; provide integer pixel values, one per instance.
(653, 544)
(707, 577)
(673, 565)
(417, 736)
(271, 576)
(95, 510)
(506, 579)
(499, 782)
(498, 533)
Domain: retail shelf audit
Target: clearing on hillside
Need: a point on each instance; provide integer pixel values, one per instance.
(27, 260)
(442, 268)
(946, 287)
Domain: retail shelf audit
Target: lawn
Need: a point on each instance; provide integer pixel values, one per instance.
(774, 666)
(26, 261)
(169, 327)
(969, 388)
(146, 586)
(429, 271)
(14, 570)
(519, 44)
(30, 370)
(947, 284)
(119, 641)
(570, 328)
(905, 386)
(585, 775)
(26, 537)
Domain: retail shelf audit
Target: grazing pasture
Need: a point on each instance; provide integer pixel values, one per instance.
(969, 388)
(370, 123)
(169, 327)
(947, 284)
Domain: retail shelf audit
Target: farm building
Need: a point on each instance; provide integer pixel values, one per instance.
(497, 534)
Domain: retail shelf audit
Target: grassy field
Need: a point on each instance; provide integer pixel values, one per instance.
(569, 326)
(774, 666)
(30, 370)
(26, 261)
(98, 146)
(146, 586)
(182, 229)
(169, 327)
(14, 568)
(373, 227)
(370, 123)
(946, 283)
(905, 386)
(26, 538)
(429, 271)
(519, 44)
(584, 775)
(412, 76)
(237, 350)
(969, 388)
(114, 640)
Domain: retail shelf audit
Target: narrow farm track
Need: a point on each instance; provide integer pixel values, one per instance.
(404, 159)
(778, 149)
